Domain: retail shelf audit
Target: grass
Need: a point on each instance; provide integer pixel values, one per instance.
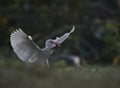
(84, 77)
(15, 74)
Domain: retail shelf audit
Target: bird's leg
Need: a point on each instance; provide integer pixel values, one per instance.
(47, 63)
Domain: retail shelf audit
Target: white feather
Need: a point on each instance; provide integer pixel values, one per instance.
(73, 29)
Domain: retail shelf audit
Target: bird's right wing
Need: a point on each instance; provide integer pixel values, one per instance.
(64, 37)
(24, 47)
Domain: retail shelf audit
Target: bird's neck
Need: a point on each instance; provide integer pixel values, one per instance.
(48, 50)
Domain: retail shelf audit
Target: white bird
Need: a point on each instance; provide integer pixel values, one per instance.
(27, 51)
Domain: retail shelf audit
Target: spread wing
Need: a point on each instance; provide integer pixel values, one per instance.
(24, 47)
(64, 37)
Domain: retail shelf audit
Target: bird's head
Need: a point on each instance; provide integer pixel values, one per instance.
(52, 44)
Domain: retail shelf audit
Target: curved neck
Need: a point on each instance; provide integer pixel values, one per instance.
(47, 50)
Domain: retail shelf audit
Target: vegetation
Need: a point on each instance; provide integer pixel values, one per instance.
(90, 76)
(96, 41)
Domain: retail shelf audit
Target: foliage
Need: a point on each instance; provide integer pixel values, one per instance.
(89, 76)
(96, 38)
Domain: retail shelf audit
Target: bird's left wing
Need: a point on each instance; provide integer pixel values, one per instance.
(24, 47)
(64, 37)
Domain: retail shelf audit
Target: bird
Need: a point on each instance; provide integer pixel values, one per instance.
(29, 52)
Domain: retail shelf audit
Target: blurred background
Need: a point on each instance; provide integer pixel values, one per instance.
(95, 42)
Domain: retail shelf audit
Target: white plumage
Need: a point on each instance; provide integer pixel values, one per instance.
(29, 52)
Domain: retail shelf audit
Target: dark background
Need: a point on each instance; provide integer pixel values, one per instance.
(96, 39)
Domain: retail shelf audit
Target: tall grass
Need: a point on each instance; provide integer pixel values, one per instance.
(85, 77)
(15, 74)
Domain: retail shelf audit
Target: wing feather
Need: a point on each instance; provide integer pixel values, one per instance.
(64, 37)
(24, 47)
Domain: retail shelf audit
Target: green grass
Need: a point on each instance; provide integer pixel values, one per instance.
(83, 77)
(14, 74)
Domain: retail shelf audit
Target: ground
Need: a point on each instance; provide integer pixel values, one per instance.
(19, 76)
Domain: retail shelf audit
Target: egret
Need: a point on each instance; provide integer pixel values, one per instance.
(28, 51)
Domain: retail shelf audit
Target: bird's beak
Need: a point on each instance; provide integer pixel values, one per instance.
(57, 44)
